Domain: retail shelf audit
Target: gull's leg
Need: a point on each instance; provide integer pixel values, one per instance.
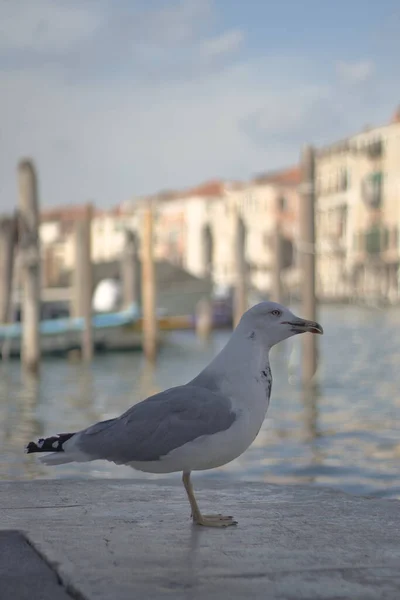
(198, 518)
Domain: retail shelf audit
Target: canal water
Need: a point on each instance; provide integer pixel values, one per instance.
(345, 436)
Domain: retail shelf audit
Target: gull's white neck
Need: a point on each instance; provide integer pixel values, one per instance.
(242, 367)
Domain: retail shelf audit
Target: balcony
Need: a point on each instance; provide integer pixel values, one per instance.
(372, 149)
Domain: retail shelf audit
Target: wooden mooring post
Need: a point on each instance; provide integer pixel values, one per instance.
(148, 287)
(204, 319)
(8, 238)
(204, 308)
(130, 270)
(8, 241)
(240, 292)
(83, 279)
(308, 258)
(29, 255)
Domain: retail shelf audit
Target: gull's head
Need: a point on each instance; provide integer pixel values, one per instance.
(275, 323)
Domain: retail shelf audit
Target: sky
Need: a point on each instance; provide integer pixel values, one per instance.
(115, 99)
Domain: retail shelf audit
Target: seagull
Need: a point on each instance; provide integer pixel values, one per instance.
(200, 425)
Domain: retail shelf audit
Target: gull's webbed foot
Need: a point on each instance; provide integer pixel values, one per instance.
(214, 521)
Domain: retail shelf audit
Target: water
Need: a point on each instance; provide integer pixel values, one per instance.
(346, 436)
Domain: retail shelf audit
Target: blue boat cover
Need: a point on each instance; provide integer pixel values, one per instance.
(65, 325)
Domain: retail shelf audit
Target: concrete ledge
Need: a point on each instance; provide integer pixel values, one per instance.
(120, 539)
(24, 575)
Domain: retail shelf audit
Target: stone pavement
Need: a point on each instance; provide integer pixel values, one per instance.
(120, 540)
(24, 575)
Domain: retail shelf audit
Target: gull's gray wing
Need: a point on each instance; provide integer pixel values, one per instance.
(156, 426)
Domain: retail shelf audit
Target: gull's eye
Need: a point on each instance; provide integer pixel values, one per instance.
(276, 313)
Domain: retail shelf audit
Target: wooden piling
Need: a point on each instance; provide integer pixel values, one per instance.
(240, 292)
(83, 279)
(50, 267)
(130, 270)
(277, 266)
(148, 287)
(29, 253)
(8, 234)
(208, 251)
(204, 309)
(308, 257)
(204, 319)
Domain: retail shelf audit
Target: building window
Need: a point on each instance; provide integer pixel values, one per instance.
(342, 225)
(376, 239)
(282, 203)
(343, 180)
(374, 149)
(372, 189)
(373, 240)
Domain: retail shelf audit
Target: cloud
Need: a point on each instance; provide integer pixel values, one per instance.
(355, 72)
(89, 41)
(56, 26)
(45, 25)
(281, 116)
(221, 45)
(176, 24)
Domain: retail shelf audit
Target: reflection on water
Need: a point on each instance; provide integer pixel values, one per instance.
(344, 434)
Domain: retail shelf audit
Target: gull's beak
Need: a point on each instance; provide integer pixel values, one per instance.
(302, 326)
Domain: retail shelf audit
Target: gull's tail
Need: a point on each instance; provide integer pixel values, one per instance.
(55, 445)
(67, 447)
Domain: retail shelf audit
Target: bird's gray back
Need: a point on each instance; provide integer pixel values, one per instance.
(156, 426)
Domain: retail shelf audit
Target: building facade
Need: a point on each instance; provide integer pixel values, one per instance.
(357, 224)
(357, 216)
(204, 223)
